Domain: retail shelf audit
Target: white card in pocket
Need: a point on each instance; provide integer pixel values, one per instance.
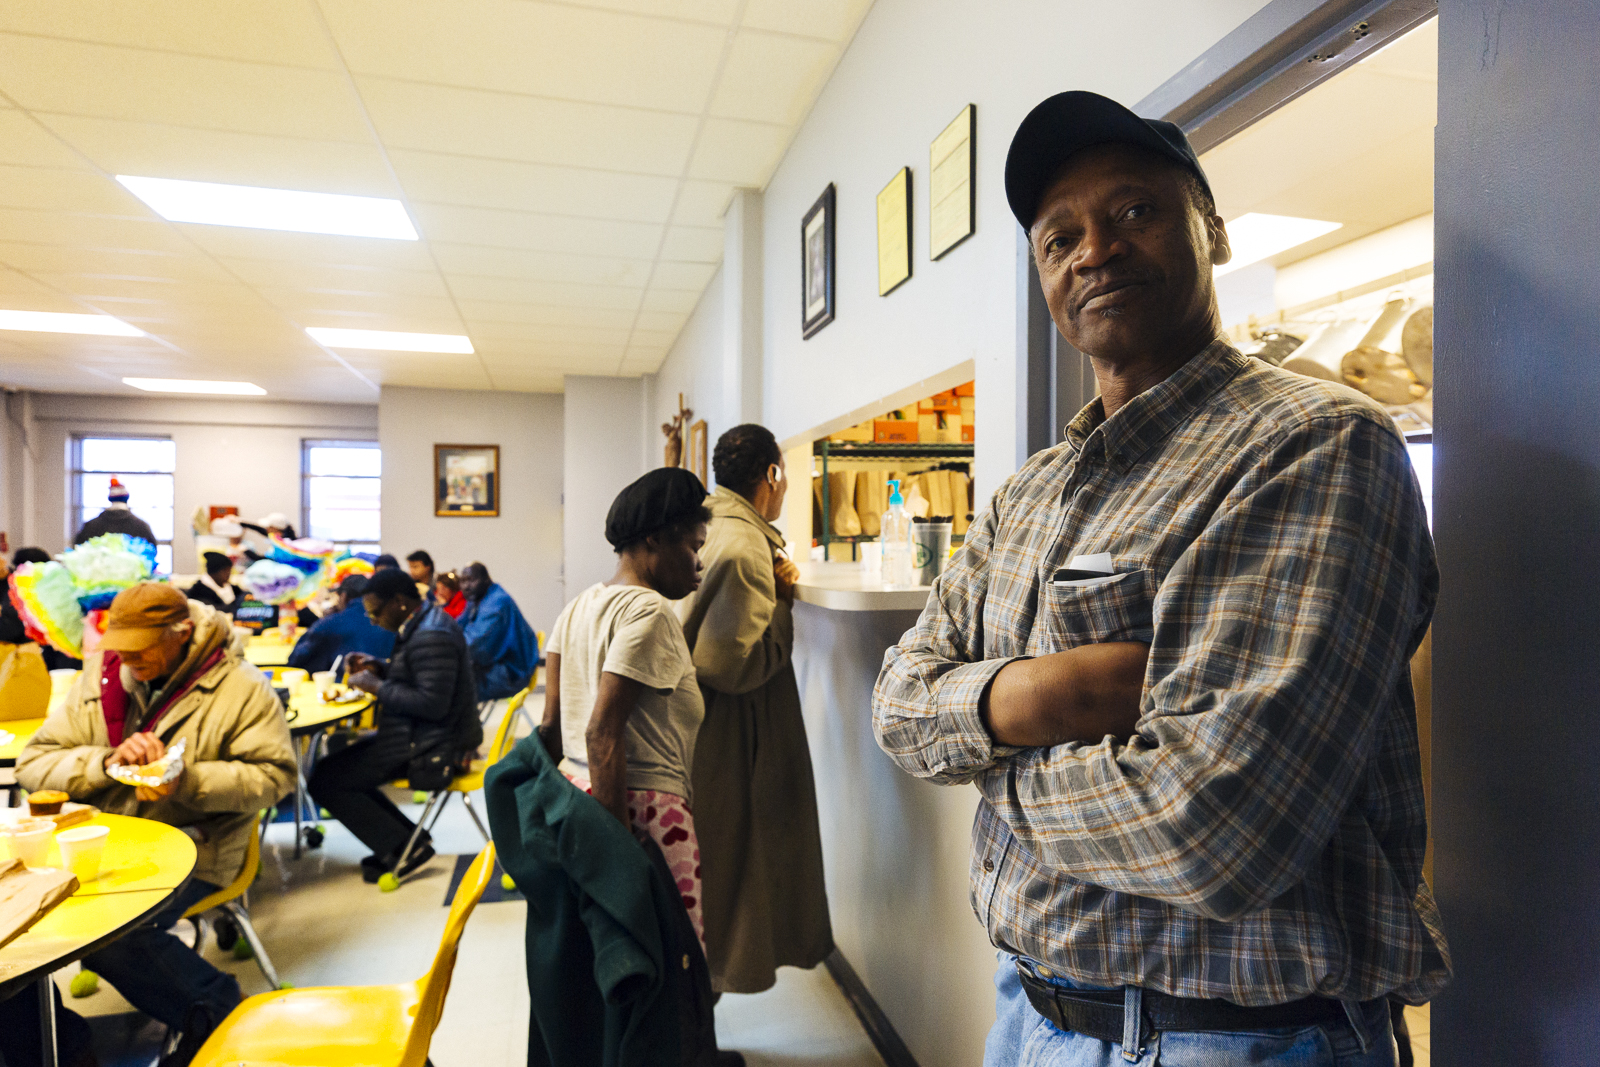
(1082, 572)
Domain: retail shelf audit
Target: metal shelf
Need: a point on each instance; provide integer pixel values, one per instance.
(869, 450)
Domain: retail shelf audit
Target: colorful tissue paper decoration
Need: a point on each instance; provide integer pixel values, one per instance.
(53, 597)
(295, 572)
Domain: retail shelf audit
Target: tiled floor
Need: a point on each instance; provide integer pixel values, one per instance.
(323, 925)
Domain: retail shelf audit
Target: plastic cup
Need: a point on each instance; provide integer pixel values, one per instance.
(930, 550)
(28, 840)
(81, 849)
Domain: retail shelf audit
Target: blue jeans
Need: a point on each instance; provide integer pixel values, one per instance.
(1023, 1038)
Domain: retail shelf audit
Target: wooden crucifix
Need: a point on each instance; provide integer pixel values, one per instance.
(674, 432)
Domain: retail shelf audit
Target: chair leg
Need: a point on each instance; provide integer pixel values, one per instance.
(422, 820)
(242, 917)
(466, 798)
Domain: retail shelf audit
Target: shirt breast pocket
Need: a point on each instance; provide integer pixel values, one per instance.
(1120, 609)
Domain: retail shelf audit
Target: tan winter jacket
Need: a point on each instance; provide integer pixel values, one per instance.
(239, 760)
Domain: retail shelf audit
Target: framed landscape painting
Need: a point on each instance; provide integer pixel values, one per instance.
(466, 480)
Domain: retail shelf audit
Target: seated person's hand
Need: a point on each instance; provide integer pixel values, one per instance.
(366, 681)
(137, 750)
(787, 576)
(356, 662)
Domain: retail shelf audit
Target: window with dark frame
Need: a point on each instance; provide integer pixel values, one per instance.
(340, 495)
(145, 465)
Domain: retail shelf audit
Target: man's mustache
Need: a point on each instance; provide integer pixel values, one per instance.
(1109, 281)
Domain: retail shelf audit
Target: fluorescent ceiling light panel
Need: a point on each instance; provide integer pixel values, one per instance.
(391, 341)
(59, 322)
(192, 385)
(1255, 237)
(272, 209)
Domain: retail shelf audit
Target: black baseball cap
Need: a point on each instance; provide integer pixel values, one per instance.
(1070, 122)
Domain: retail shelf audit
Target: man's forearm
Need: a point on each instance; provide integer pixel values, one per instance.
(1079, 695)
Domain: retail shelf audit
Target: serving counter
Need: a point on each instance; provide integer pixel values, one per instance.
(895, 848)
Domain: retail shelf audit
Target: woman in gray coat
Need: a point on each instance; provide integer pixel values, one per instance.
(765, 905)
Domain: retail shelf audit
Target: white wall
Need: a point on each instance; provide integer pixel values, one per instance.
(912, 66)
(522, 546)
(606, 448)
(240, 452)
(693, 367)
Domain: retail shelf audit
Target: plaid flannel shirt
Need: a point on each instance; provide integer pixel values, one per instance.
(1260, 837)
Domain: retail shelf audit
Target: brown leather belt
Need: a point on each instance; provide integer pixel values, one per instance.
(1098, 1013)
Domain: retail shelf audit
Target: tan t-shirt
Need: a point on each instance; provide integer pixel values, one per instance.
(631, 631)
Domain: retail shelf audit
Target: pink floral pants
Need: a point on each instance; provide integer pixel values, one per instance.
(666, 818)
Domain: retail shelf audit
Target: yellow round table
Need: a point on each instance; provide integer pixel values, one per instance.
(146, 863)
(21, 731)
(267, 650)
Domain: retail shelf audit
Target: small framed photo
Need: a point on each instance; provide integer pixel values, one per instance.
(466, 480)
(694, 456)
(816, 264)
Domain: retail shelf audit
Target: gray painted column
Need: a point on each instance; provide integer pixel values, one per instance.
(741, 308)
(1516, 771)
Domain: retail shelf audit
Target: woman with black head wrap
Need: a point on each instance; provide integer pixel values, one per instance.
(761, 850)
(622, 708)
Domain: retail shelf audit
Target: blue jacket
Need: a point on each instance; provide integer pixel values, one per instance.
(505, 650)
(344, 631)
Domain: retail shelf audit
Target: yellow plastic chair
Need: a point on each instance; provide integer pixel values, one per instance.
(232, 899)
(465, 785)
(350, 1026)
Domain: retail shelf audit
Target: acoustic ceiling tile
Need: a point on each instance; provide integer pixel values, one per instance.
(156, 150)
(75, 78)
(651, 339)
(721, 12)
(478, 260)
(186, 292)
(241, 243)
(545, 50)
(669, 321)
(129, 264)
(89, 231)
(702, 203)
(29, 144)
(531, 382)
(480, 313)
(498, 335)
(307, 305)
(771, 78)
(827, 20)
(51, 189)
(687, 276)
(738, 152)
(449, 179)
(530, 129)
(677, 300)
(540, 232)
(693, 244)
(333, 278)
(263, 33)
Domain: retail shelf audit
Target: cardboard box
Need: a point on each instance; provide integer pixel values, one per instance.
(966, 434)
(945, 401)
(970, 389)
(939, 428)
(860, 432)
(894, 431)
(969, 409)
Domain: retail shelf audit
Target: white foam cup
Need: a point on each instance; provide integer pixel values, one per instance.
(29, 840)
(81, 848)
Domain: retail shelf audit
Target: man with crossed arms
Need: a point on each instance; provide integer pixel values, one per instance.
(1201, 831)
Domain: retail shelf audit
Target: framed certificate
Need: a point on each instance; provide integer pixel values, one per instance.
(466, 480)
(894, 232)
(951, 197)
(816, 264)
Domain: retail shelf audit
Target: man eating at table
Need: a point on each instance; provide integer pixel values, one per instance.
(167, 669)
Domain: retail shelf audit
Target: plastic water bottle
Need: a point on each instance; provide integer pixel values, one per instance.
(895, 536)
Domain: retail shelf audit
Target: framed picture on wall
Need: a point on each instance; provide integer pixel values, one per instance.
(816, 265)
(466, 480)
(695, 456)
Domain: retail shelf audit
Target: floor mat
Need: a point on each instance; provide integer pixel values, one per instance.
(496, 891)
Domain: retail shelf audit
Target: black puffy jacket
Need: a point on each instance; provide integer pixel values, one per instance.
(115, 520)
(428, 688)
